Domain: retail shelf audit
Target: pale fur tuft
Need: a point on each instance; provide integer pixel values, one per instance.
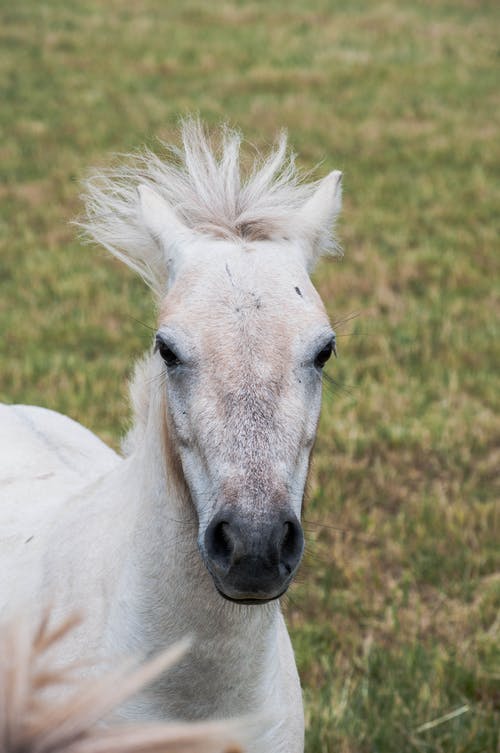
(45, 708)
(145, 373)
(204, 186)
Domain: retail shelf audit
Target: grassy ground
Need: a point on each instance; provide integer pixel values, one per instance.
(395, 617)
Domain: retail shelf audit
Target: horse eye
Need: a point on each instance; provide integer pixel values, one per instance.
(324, 354)
(169, 356)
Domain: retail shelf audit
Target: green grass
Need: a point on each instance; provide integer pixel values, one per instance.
(395, 615)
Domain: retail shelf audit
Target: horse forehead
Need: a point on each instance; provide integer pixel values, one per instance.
(262, 287)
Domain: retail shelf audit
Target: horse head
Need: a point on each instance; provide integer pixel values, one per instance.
(241, 341)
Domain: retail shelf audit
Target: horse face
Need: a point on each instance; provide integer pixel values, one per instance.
(243, 340)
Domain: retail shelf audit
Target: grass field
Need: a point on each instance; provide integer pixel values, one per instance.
(395, 618)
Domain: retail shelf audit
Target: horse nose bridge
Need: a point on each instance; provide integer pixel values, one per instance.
(252, 414)
(256, 491)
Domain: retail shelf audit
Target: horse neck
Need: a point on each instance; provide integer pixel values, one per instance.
(165, 579)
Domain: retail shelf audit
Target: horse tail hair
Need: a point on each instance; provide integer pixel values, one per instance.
(46, 708)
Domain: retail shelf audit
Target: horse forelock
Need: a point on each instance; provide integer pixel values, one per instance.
(205, 184)
(209, 190)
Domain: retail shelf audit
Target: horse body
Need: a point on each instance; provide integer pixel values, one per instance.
(46, 459)
(195, 531)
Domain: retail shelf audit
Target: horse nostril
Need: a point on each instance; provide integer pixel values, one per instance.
(219, 543)
(292, 543)
(223, 545)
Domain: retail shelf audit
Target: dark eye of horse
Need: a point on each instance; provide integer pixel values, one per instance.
(324, 354)
(169, 356)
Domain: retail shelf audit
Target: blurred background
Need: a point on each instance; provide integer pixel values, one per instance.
(395, 617)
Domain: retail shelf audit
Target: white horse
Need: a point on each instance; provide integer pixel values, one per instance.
(196, 529)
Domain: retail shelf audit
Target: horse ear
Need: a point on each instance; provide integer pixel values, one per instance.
(318, 215)
(162, 223)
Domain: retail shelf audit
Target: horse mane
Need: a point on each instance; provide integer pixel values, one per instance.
(204, 185)
(33, 718)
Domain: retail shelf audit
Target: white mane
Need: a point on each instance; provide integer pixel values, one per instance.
(204, 186)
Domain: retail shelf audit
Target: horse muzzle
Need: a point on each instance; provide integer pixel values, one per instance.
(252, 561)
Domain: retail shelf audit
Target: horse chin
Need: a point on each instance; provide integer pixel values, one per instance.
(248, 599)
